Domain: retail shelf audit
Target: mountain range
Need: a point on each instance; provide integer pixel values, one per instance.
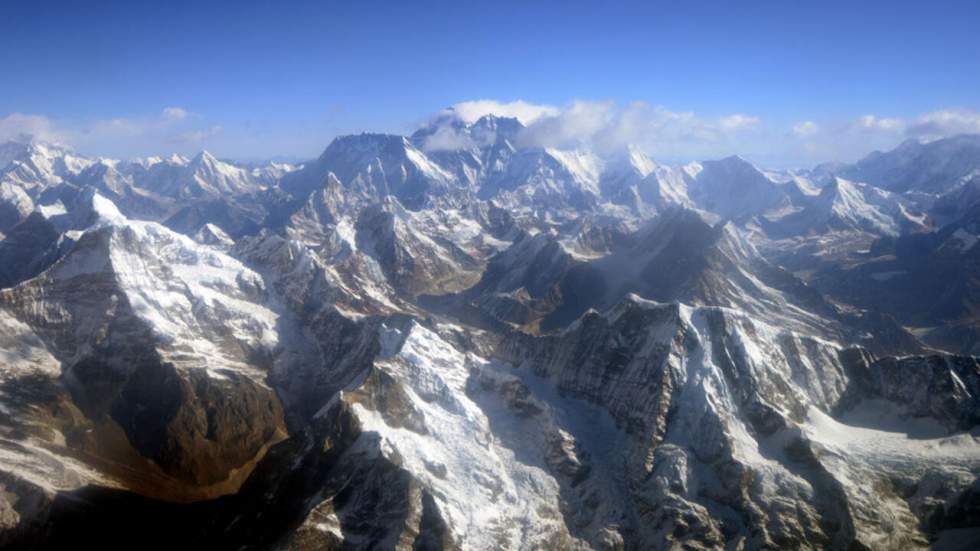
(457, 340)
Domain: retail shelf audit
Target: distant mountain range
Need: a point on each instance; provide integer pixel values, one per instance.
(453, 340)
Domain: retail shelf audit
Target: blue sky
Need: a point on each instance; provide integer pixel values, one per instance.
(257, 79)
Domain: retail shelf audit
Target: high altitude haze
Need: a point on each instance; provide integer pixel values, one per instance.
(781, 83)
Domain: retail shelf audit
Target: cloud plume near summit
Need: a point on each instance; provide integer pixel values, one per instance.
(674, 135)
(604, 125)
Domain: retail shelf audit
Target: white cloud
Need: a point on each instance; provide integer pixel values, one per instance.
(23, 127)
(579, 122)
(945, 123)
(604, 125)
(471, 111)
(447, 138)
(609, 127)
(805, 128)
(174, 113)
(737, 122)
(871, 122)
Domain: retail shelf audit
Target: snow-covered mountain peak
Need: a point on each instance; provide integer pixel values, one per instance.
(374, 166)
(734, 188)
(447, 134)
(630, 160)
(862, 205)
(106, 210)
(144, 163)
(192, 296)
(204, 159)
(38, 165)
(48, 149)
(174, 159)
(498, 123)
(640, 161)
(733, 167)
(365, 146)
(34, 149)
(583, 165)
(631, 178)
(203, 177)
(929, 167)
(491, 129)
(177, 159)
(489, 121)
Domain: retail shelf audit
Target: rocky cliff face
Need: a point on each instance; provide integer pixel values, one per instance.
(647, 426)
(724, 413)
(150, 358)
